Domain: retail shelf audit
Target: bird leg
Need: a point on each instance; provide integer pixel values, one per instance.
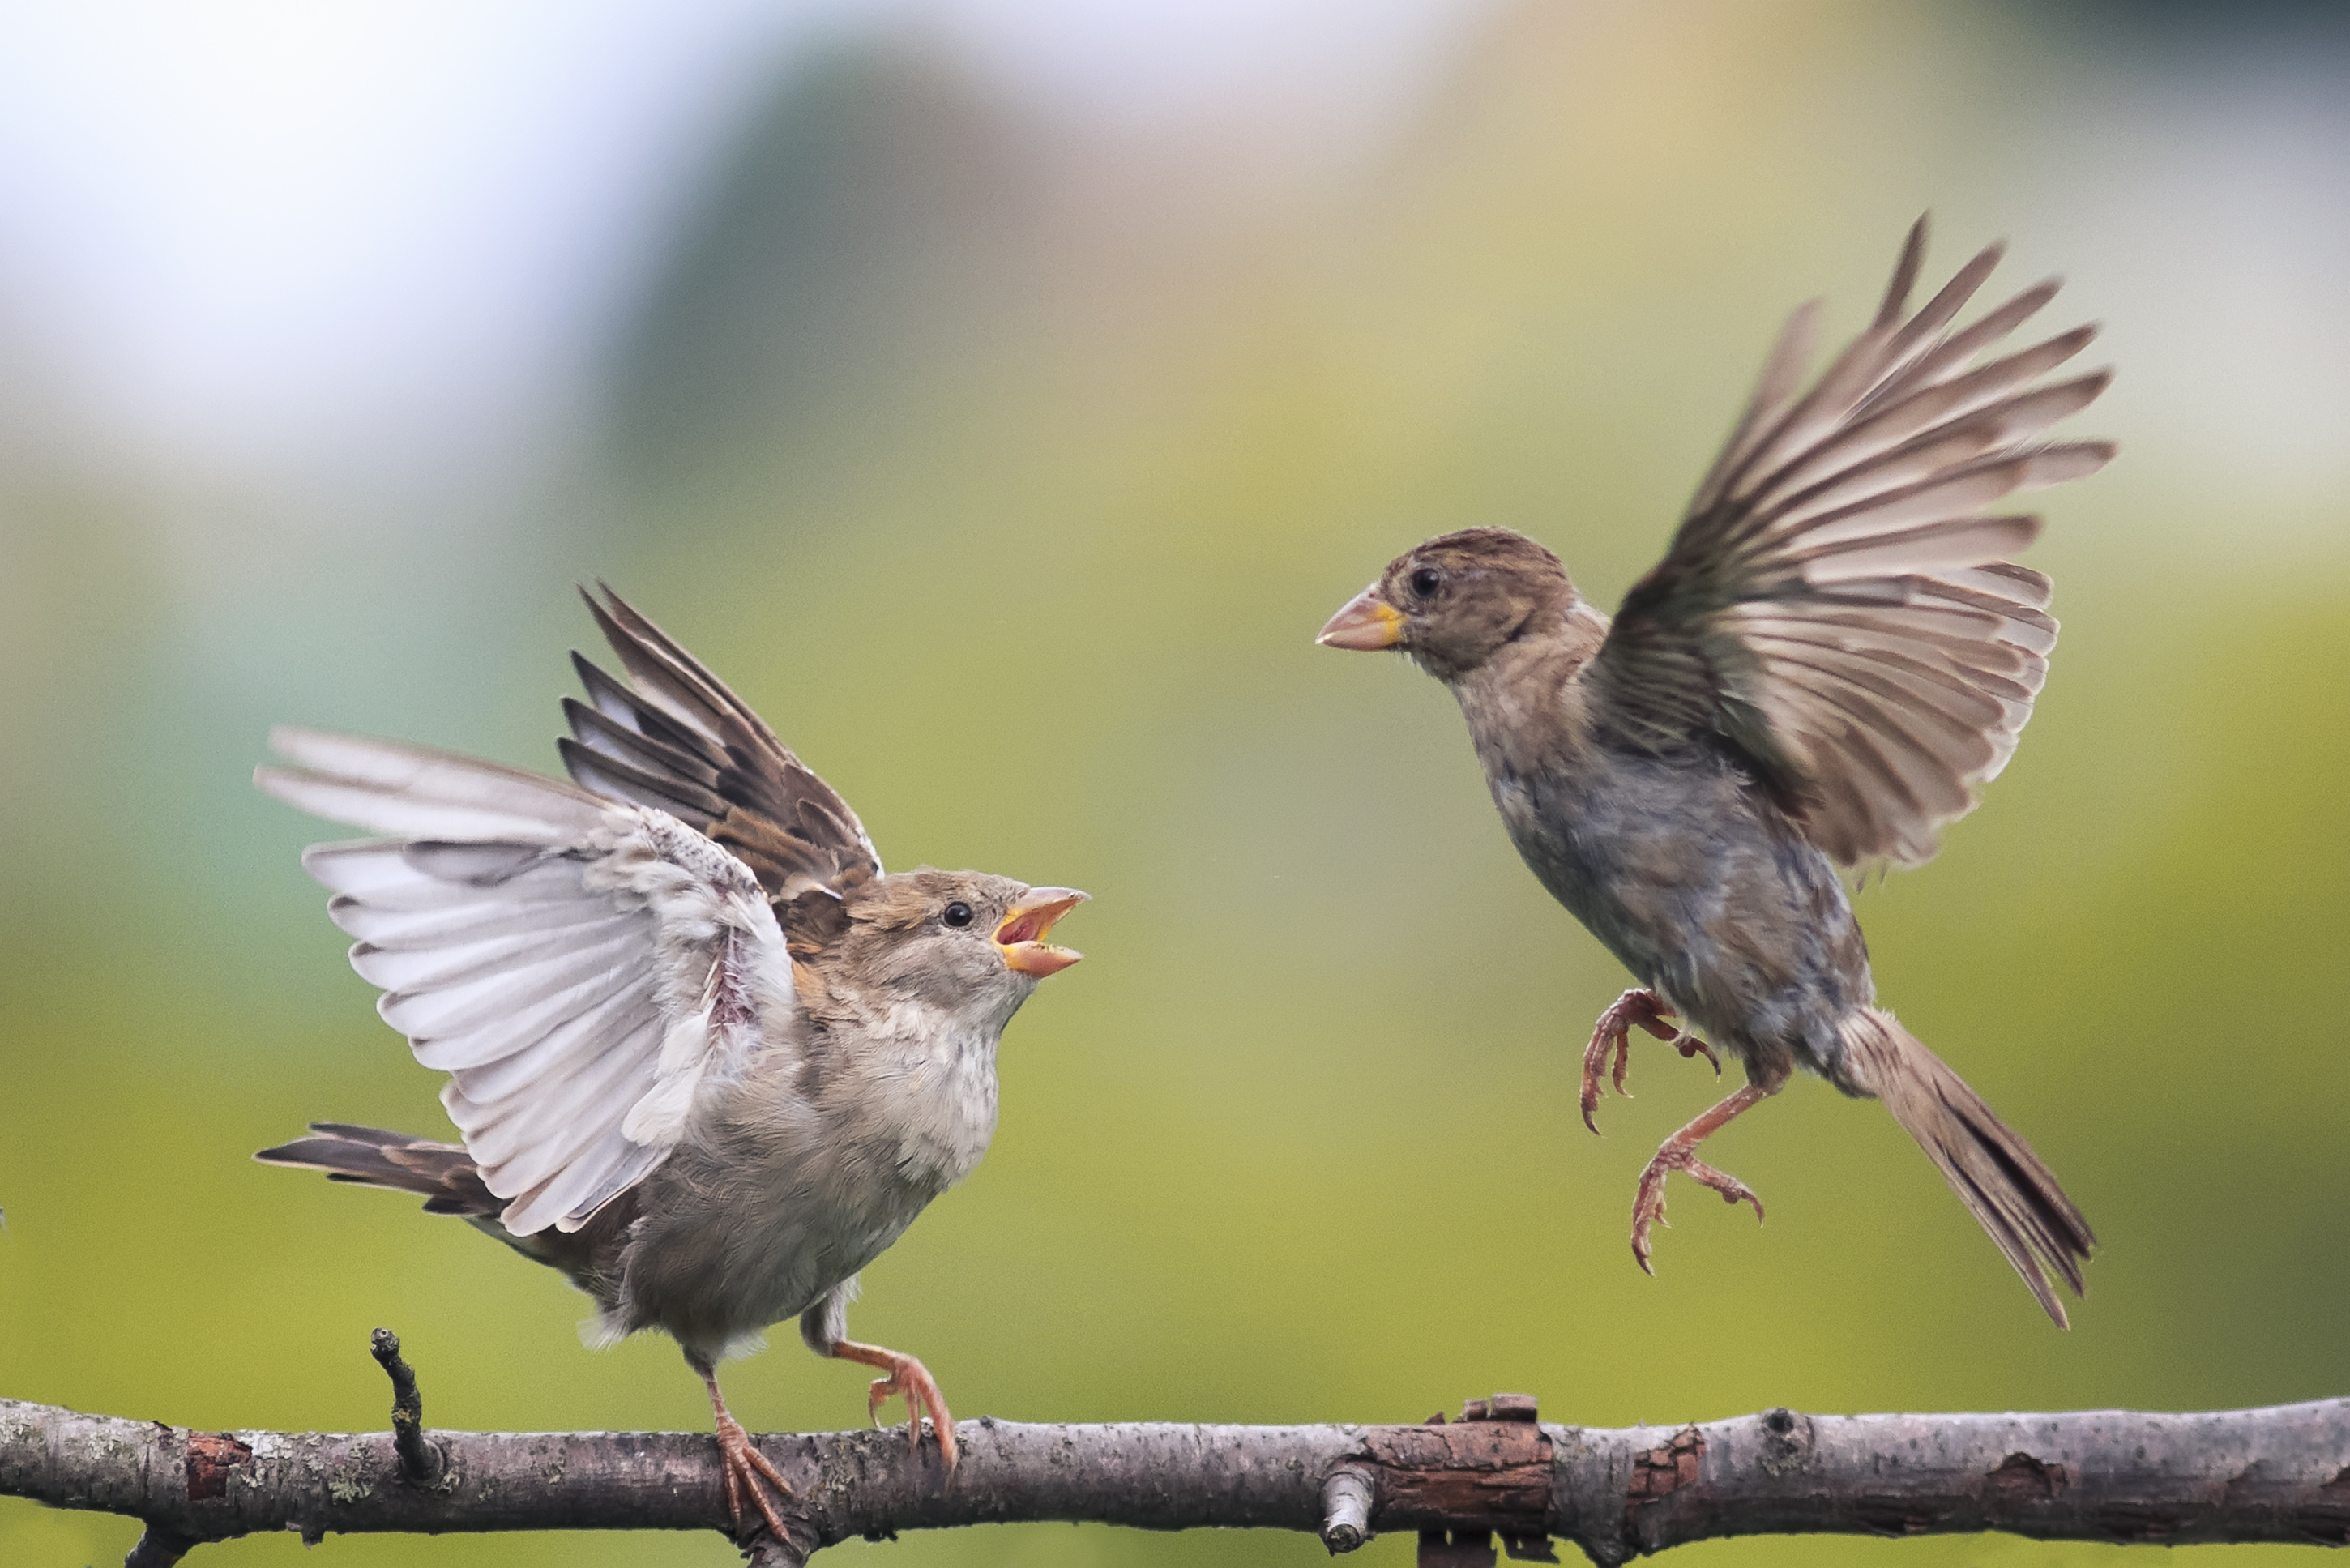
(743, 1467)
(912, 1380)
(1679, 1152)
(1636, 1008)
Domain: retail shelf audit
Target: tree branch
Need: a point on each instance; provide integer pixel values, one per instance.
(2278, 1474)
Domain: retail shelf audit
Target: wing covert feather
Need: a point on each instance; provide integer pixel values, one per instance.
(587, 972)
(675, 738)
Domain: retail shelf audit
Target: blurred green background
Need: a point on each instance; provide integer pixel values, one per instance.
(1004, 441)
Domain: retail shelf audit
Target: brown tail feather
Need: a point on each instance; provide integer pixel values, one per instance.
(2003, 1184)
(442, 1172)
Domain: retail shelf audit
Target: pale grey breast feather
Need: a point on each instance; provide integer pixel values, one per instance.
(587, 972)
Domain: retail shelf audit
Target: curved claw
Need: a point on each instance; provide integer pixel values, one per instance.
(1595, 1062)
(1648, 1209)
(1690, 1045)
(1679, 1152)
(1648, 1206)
(910, 1378)
(1639, 1008)
(745, 1469)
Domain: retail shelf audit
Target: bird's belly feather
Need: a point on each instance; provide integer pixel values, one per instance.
(791, 1197)
(1704, 891)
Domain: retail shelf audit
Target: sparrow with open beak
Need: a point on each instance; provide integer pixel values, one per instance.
(1833, 654)
(705, 1057)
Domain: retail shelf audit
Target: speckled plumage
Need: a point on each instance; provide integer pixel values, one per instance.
(1830, 659)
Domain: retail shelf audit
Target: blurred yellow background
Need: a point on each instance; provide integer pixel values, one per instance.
(1002, 420)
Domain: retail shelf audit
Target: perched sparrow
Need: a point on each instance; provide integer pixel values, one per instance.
(706, 1058)
(1834, 652)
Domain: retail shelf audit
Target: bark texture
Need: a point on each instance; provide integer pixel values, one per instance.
(2278, 1474)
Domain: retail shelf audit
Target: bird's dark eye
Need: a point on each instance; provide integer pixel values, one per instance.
(957, 913)
(1426, 581)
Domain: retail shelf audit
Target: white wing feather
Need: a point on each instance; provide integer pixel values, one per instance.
(586, 971)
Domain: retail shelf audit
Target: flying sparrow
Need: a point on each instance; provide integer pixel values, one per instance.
(706, 1058)
(1833, 654)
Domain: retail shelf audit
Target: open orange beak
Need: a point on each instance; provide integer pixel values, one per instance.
(1366, 622)
(1021, 938)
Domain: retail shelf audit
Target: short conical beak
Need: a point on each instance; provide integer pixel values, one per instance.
(1367, 623)
(1021, 938)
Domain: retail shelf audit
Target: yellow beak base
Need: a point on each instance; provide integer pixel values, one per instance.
(1020, 938)
(1366, 623)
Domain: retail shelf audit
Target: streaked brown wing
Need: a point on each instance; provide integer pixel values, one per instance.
(673, 737)
(1837, 603)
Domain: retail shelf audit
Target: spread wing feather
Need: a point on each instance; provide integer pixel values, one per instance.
(1838, 603)
(673, 737)
(584, 970)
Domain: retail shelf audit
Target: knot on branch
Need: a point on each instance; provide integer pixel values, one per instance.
(1661, 1471)
(1457, 1484)
(213, 1458)
(2021, 1478)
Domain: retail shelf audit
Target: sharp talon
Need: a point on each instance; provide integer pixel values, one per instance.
(1690, 1045)
(1613, 1034)
(883, 1387)
(1641, 1252)
(760, 1462)
(911, 1378)
(1679, 1152)
(742, 1467)
(1595, 1063)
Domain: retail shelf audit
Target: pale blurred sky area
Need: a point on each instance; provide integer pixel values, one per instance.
(272, 235)
(282, 239)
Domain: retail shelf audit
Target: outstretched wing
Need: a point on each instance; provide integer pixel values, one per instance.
(585, 971)
(1837, 603)
(674, 738)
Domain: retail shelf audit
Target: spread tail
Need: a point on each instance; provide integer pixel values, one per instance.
(2003, 1184)
(443, 1173)
(446, 1178)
